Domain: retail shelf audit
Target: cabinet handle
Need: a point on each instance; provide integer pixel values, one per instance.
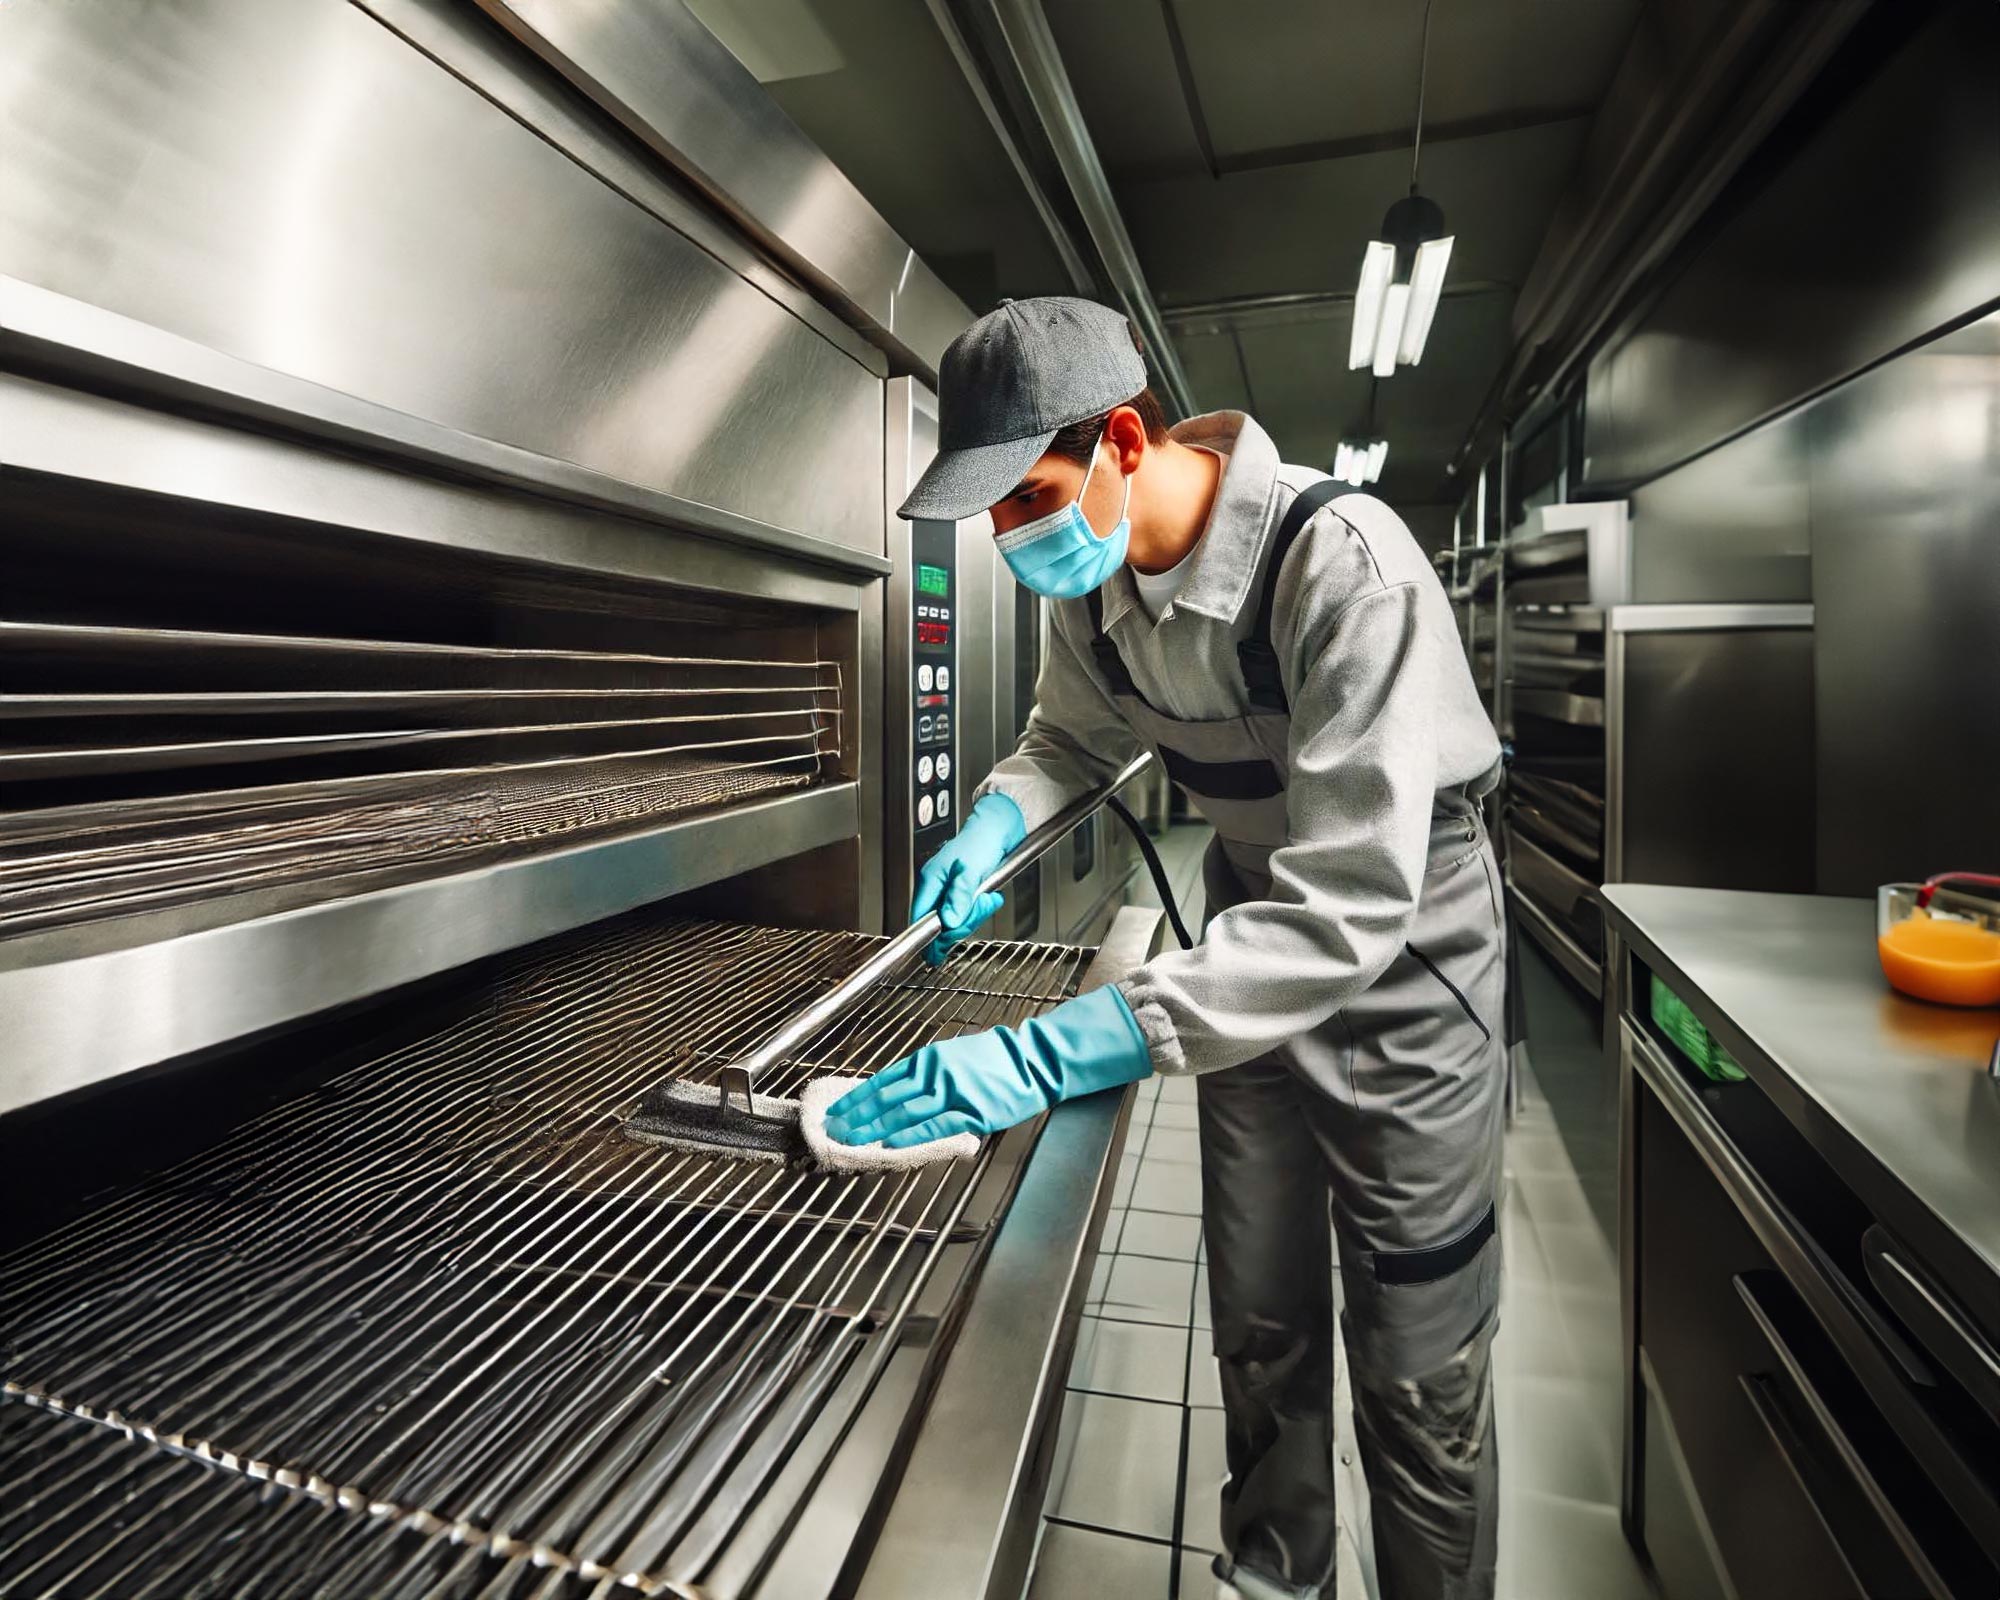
(1934, 1317)
(1871, 1562)
(1864, 1563)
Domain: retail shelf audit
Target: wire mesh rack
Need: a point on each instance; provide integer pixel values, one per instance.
(438, 1327)
(466, 753)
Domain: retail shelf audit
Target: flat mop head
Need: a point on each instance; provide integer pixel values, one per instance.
(694, 1117)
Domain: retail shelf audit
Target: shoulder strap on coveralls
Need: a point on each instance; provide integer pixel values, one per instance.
(1261, 678)
(1259, 662)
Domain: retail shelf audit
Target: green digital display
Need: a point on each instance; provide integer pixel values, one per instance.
(933, 580)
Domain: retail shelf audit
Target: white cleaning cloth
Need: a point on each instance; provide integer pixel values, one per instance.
(877, 1157)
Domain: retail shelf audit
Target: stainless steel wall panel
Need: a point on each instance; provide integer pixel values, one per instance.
(1883, 228)
(292, 184)
(1730, 526)
(1906, 588)
(1715, 781)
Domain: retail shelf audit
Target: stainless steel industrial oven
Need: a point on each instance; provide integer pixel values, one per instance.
(457, 667)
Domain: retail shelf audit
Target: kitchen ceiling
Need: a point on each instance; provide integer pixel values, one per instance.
(1252, 157)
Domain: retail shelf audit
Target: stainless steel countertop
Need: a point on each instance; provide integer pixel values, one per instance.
(1893, 1092)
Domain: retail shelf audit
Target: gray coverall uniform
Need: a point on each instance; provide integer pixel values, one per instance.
(1341, 1009)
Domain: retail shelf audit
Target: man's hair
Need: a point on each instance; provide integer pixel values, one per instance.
(1079, 439)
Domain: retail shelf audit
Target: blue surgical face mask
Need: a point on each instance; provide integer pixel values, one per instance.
(1058, 555)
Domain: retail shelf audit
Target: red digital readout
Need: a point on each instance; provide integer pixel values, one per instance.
(933, 633)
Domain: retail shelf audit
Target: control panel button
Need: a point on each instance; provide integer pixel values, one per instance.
(927, 728)
(924, 678)
(944, 766)
(944, 725)
(924, 768)
(924, 809)
(944, 803)
(943, 677)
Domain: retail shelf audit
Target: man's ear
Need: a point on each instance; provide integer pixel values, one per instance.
(1125, 432)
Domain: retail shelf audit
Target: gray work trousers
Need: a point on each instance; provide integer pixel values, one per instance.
(1380, 1131)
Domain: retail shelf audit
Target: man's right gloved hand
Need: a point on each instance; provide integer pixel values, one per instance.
(949, 883)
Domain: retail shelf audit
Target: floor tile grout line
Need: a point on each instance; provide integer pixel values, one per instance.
(1109, 1533)
(1140, 1322)
(1187, 1428)
(1119, 1394)
(1180, 1504)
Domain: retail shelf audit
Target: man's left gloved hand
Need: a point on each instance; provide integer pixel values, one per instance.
(983, 1082)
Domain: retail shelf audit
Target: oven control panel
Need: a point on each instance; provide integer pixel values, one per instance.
(933, 690)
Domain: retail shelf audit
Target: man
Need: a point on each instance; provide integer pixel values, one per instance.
(1293, 661)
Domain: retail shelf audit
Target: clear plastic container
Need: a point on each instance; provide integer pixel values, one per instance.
(1939, 944)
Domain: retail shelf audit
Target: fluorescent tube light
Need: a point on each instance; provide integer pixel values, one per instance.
(1378, 266)
(1426, 285)
(1389, 337)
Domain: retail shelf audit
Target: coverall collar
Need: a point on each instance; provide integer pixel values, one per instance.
(1225, 561)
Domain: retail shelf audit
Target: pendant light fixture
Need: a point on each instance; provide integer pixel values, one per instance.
(1360, 460)
(1402, 273)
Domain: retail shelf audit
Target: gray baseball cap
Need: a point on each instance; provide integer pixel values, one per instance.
(1025, 370)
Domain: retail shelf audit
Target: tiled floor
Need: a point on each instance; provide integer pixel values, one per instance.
(1133, 1508)
(1557, 1376)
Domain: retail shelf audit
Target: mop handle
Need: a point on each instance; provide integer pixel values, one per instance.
(740, 1077)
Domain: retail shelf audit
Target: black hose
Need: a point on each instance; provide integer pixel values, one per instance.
(1154, 866)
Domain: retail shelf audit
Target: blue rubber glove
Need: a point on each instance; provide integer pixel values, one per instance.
(983, 1082)
(949, 883)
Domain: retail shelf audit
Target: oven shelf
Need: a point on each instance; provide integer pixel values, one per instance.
(83, 1004)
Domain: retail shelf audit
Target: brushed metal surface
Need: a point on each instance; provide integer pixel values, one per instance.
(1700, 618)
(964, 1520)
(1880, 230)
(469, 45)
(1730, 526)
(910, 440)
(1892, 1092)
(292, 184)
(1906, 590)
(72, 1019)
(1714, 729)
(669, 82)
(1578, 962)
(62, 339)
(866, 738)
(980, 573)
(64, 434)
